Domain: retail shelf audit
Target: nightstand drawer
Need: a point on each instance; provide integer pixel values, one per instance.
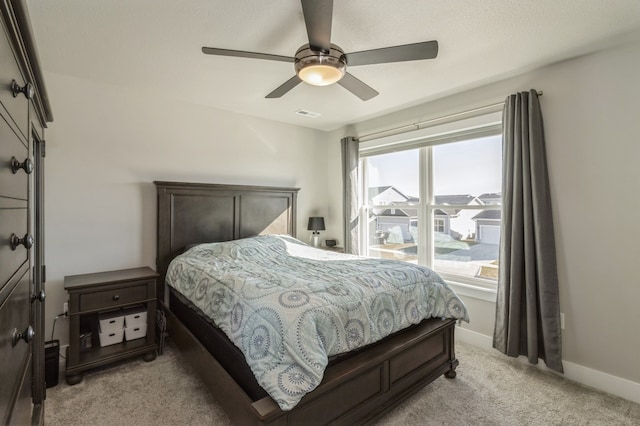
(114, 297)
(333, 248)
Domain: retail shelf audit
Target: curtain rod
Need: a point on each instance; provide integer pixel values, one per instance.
(416, 126)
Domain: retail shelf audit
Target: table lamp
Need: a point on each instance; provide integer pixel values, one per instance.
(316, 224)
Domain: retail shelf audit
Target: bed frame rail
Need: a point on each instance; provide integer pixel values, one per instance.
(354, 391)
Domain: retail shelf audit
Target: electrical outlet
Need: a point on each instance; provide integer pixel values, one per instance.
(562, 320)
(65, 308)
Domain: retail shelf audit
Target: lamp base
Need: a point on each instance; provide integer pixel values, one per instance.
(315, 240)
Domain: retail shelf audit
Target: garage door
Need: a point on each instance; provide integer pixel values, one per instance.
(489, 234)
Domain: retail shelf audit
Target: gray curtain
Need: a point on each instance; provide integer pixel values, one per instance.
(528, 309)
(350, 200)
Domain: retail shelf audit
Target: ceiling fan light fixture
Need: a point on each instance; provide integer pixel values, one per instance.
(318, 68)
(320, 75)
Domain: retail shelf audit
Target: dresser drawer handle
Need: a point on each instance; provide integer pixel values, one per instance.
(40, 297)
(27, 335)
(27, 89)
(26, 241)
(26, 165)
(116, 297)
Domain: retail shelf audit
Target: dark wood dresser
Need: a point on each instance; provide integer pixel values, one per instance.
(24, 112)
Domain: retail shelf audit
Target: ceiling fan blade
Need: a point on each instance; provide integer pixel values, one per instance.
(317, 17)
(407, 52)
(284, 87)
(242, 54)
(357, 87)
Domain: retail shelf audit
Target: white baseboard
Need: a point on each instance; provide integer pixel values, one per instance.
(586, 376)
(473, 337)
(603, 381)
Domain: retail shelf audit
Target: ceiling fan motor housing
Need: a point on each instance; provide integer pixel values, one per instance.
(318, 68)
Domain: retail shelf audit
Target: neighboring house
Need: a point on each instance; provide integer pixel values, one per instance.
(488, 226)
(398, 225)
(391, 225)
(455, 221)
(488, 222)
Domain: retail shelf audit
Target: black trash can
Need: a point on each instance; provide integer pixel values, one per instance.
(51, 362)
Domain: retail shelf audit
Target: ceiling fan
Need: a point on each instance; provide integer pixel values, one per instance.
(321, 63)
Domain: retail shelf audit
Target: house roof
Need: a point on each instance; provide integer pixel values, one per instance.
(450, 200)
(377, 190)
(454, 200)
(490, 196)
(394, 213)
(488, 215)
(374, 191)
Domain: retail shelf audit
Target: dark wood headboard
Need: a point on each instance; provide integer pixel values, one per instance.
(192, 213)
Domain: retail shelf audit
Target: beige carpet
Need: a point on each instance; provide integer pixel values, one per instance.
(490, 389)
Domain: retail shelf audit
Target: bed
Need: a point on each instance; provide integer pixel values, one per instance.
(356, 387)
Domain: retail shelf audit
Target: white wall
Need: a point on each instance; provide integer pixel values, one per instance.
(591, 117)
(107, 146)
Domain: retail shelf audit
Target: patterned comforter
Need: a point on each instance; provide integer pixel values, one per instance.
(288, 306)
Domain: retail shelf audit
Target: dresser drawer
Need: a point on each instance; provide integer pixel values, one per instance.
(114, 297)
(14, 314)
(12, 185)
(17, 107)
(24, 401)
(13, 219)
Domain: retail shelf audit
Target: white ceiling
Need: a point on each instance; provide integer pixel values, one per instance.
(154, 46)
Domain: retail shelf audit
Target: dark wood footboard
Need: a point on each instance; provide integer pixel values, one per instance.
(354, 391)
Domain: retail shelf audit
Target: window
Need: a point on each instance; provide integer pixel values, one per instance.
(436, 203)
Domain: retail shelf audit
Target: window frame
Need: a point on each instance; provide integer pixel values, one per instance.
(424, 141)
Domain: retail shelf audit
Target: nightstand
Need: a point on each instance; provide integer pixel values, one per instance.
(334, 248)
(92, 296)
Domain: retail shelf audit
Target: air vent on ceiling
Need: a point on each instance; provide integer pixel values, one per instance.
(305, 113)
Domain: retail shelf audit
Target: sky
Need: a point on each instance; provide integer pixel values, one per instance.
(468, 167)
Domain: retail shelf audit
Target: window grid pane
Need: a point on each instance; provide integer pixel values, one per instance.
(460, 184)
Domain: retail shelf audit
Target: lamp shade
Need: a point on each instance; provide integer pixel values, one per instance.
(316, 223)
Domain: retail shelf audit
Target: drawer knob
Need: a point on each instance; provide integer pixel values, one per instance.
(27, 89)
(26, 165)
(39, 297)
(116, 297)
(26, 241)
(26, 335)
